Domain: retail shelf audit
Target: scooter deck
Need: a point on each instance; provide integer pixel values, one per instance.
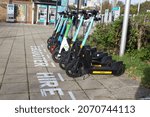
(107, 70)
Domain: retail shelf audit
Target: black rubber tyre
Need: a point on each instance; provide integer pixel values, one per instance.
(119, 69)
(73, 69)
(52, 48)
(55, 56)
(48, 46)
(49, 40)
(62, 62)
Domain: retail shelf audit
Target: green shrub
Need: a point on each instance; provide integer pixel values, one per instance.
(107, 37)
(137, 60)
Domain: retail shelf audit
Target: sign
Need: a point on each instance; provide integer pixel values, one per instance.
(10, 9)
(42, 13)
(116, 12)
(64, 2)
(10, 12)
(115, 8)
(48, 2)
(52, 15)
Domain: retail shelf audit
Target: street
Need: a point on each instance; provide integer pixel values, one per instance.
(27, 71)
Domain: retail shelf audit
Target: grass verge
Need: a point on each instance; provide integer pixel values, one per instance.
(136, 68)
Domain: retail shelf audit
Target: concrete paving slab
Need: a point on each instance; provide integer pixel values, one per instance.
(15, 79)
(4, 49)
(99, 94)
(76, 95)
(1, 76)
(65, 77)
(69, 85)
(2, 70)
(32, 79)
(35, 70)
(30, 64)
(112, 83)
(54, 70)
(38, 96)
(16, 60)
(90, 84)
(18, 53)
(16, 65)
(16, 71)
(13, 88)
(17, 57)
(130, 82)
(34, 87)
(125, 93)
(3, 61)
(23, 96)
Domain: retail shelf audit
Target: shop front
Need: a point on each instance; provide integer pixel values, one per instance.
(37, 11)
(23, 11)
(45, 10)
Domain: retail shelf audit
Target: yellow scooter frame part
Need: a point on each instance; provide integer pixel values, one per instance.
(102, 72)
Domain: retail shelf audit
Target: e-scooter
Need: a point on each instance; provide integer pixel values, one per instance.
(82, 64)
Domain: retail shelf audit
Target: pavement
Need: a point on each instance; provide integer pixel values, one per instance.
(27, 71)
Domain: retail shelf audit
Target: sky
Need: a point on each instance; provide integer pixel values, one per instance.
(134, 1)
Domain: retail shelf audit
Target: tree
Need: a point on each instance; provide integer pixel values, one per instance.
(133, 9)
(106, 5)
(122, 6)
(71, 7)
(144, 7)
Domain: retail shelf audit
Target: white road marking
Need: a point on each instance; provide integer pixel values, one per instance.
(71, 95)
(44, 50)
(53, 64)
(38, 56)
(42, 46)
(48, 56)
(60, 77)
(48, 84)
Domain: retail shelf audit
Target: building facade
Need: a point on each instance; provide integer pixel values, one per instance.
(3, 9)
(33, 11)
(22, 10)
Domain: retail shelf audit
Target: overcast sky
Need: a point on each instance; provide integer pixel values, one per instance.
(134, 1)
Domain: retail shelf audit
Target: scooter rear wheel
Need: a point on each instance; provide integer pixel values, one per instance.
(52, 48)
(49, 40)
(48, 46)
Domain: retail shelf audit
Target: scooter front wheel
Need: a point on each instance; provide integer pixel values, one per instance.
(73, 69)
(63, 60)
